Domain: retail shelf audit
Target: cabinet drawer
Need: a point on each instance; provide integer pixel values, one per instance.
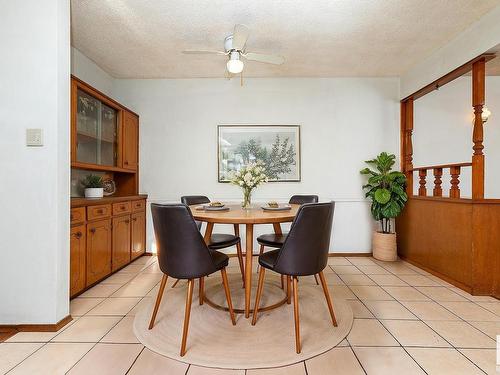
(121, 208)
(77, 215)
(99, 212)
(138, 205)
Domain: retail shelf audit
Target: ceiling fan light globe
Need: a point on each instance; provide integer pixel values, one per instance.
(235, 66)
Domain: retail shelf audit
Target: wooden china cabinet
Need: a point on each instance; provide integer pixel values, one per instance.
(107, 233)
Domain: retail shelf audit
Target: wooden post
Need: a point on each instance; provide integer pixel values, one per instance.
(478, 93)
(422, 190)
(437, 191)
(408, 145)
(455, 174)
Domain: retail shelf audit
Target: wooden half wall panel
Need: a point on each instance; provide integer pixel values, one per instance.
(455, 239)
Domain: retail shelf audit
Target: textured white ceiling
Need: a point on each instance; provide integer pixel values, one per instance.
(318, 38)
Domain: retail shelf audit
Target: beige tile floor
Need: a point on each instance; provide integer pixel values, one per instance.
(406, 322)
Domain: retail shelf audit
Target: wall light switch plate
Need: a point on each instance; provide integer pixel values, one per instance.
(34, 137)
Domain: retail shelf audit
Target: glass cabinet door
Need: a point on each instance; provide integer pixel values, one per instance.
(96, 131)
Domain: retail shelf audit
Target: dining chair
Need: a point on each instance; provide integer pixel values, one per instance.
(219, 240)
(183, 254)
(276, 240)
(304, 253)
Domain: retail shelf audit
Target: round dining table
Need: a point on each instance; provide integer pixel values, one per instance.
(237, 215)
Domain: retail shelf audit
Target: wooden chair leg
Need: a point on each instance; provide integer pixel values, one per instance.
(327, 296)
(296, 313)
(240, 261)
(288, 290)
(283, 282)
(240, 253)
(261, 251)
(158, 300)
(316, 279)
(187, 314)
(176, 281)
(259, 294)
(228, 295)
(202, 290)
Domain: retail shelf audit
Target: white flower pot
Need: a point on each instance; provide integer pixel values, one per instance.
(384, 246)
(94, 192)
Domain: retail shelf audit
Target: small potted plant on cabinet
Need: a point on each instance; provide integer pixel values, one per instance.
(93, 185)
(386, 190)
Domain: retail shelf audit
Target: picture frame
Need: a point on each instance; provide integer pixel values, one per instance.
(276, 146)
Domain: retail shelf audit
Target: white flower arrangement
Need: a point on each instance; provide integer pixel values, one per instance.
(248, 178)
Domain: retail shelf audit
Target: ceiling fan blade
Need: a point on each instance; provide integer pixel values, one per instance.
(240, 36)
(269, 59)
(202, 52)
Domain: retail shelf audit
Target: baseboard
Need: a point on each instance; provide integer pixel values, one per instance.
(6, 333)
(329, 254)
(9, 328)
(458, 284)
(350, 254)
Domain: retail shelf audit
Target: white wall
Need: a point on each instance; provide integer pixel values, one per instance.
(34, 76)
(481, 36)
(343, 122)
(89, 72)
(443, 133)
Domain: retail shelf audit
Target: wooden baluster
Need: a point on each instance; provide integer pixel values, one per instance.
(455, 190)
(478, 90)
(408, 144)
(438, 191)
(422, 190)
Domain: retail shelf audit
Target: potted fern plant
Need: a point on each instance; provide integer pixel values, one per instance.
(386, 190)
(93, 185)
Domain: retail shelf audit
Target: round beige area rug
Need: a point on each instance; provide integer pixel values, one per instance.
(214, 342)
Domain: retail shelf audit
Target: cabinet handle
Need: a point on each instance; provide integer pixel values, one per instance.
(126, 162)
(100, 211)
(78, 234)
(134, 219)
(92, 230)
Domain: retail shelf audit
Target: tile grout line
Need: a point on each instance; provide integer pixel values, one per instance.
(356, 356)
(93, 346)
(135, 360)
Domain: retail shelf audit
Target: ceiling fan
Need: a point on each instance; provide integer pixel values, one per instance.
(235, 49)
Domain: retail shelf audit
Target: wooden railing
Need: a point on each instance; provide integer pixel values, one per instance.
(437, 171)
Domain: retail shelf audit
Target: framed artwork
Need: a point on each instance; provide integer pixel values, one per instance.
(277, 146)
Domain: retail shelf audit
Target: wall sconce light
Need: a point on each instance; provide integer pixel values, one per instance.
(485, 115)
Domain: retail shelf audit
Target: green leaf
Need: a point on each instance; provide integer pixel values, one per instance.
(374, 179)
(391, 209)
(366, 171)
(382, 196)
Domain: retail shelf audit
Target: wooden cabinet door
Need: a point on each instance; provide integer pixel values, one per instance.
(130, 141)
(121, 241)
(98, 250)
(138, 234)
(77, 260)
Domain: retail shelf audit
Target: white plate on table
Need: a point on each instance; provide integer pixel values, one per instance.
(215, 208)
(281, 207)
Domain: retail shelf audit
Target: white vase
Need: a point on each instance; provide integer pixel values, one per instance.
(94, 192)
